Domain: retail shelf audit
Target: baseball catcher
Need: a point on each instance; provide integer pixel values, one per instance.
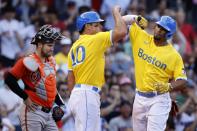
(38, 73)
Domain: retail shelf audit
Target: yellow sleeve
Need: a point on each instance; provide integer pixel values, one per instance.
(179, 72)
(70, 67)
(103, 40)
(133, 32)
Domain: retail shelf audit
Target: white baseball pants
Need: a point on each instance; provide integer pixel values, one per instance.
(84, 104)
(151, 114)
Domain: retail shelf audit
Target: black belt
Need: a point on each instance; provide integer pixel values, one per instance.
(46, 109)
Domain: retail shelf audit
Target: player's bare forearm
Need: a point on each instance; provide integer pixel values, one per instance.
(120, 29)
(178, 85)
(71, 80)
(162, 87)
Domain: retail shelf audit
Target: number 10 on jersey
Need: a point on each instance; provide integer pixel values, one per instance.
(78, 56)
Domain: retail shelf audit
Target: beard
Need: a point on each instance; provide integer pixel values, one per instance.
(157, 38)
(46, 54)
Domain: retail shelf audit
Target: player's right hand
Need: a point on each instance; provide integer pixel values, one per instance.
(162, 87)
(117, 8)
(30, 105)
(142, 22)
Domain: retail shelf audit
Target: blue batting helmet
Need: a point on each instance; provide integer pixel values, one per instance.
(168, 24)
(88, 17)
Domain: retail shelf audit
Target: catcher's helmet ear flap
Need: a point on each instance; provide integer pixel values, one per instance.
(87, 17)
(47, 34)
(169, 24)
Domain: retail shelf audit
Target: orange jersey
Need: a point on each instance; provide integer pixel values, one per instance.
(40, 84)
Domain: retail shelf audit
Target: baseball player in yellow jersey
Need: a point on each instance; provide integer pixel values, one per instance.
(156, 63)
(86, 67)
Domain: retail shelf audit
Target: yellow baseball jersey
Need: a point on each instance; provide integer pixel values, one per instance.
(153, 63)
(86, 58)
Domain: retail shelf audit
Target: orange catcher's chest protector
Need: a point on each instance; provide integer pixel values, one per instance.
(42, 90)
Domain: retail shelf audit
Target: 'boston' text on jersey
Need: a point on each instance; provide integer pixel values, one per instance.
(150, 59)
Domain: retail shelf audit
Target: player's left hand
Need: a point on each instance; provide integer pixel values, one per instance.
(162, 87)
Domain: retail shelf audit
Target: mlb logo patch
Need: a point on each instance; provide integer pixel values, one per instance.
(183, 71)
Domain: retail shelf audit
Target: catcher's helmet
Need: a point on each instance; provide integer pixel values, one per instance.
(47, 34)
(88, 17)
(168, 24)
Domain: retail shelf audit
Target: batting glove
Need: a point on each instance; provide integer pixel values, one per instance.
(162, 87)
(142, 22)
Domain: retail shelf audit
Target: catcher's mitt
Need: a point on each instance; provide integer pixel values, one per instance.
(57, 113)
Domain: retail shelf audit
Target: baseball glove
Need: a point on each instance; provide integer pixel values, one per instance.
(57, 113)
(142, 22)
(174, 109)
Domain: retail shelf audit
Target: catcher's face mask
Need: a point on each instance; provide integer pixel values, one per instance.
(47, 34)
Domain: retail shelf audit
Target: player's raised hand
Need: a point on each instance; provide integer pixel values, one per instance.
(141, 21)
(116, 8)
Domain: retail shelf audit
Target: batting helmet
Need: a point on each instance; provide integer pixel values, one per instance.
(88, 17)
(47, 34)
(168, 24)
